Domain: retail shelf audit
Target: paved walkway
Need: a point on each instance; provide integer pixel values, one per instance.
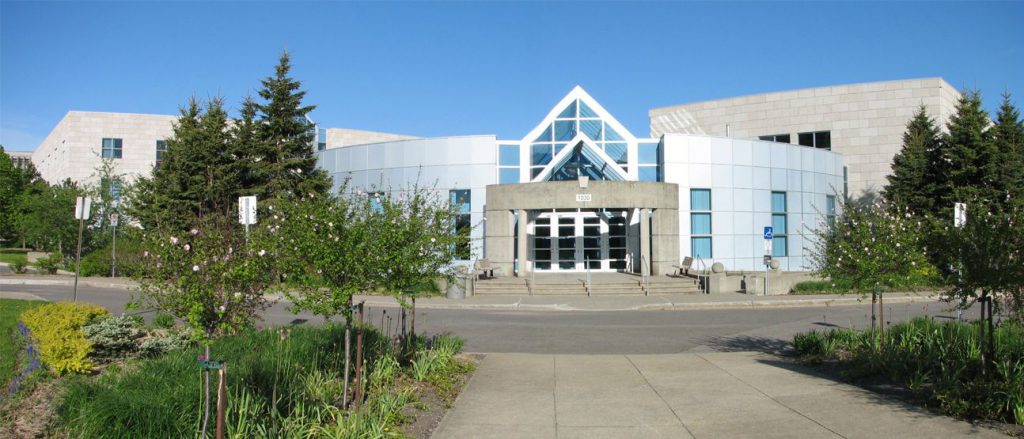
(706, 395)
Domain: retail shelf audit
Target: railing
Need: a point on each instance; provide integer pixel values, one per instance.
(702, 276)
(531, 281)
(587, 262)
(645, 277)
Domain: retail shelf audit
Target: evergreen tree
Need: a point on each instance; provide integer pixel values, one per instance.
(969, 159)
(196, 177)
(1008, 138)
(245, 146)
(285, 164)
(911, 183)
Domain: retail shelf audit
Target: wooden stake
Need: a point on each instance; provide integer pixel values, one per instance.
(359, 359)
(222, 399)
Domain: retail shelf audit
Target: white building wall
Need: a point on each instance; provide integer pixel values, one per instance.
(866, 121)
(443, 163)
(742, 175)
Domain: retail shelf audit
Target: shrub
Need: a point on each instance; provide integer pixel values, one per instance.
(114, 337)
(129, 257)
(163, 320)
(158, 345)
(50, 264)
(17, 266)
(58, 329)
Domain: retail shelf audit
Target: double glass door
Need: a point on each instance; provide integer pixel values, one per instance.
(579, 240)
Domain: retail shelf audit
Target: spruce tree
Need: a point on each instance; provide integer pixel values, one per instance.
(1008, 138)
(245, 146)
(911, 183)
(968, 161)
(286, 164)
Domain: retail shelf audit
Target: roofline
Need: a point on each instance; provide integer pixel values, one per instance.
(797, 90)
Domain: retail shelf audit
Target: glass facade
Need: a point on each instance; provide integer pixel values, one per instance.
(830, 209)
(779, 224)
(111, 149)
(460, 199)
(161, 149)
(700, 223)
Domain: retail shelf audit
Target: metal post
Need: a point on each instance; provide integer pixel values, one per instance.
(78, 263)
(113, 250)
(767, 265)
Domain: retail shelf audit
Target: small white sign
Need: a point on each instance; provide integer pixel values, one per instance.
(584, 198)
(82, 207)
(768, 247)
(959, 214)
(113, 219)
(247, 210)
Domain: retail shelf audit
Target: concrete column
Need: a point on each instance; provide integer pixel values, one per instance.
(645, 241)
(500, 241)
(522, 245)
(664, 240)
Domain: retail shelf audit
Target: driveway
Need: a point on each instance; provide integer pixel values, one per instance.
(698, 395)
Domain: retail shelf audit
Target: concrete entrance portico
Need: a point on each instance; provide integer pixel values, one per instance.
(652, 226)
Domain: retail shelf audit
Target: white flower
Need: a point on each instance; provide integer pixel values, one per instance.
(238, 295)
(174, 240)
(222, 308)
(188, 247)
(194, 231)
(145, 253)
(195, 268)
(432, 240)
(263, 252)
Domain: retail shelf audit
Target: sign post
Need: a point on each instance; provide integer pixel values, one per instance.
(113, 245)
(82, 206)
(769, 233)
(959, 219)
(247, 213)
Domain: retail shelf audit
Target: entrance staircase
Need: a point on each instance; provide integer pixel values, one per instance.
(575, 284)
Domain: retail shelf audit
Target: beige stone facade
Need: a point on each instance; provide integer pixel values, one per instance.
(73, 149)
(20, 159)
(866, 121)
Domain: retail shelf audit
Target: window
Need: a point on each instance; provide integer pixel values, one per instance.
(648, 155)
(508, 163)
(321, 139)
(460, 200)
(830, 209)
(779, 240)
(819, 139)
(781, 138)
(111, 149)
(700, 223)
(161, 150)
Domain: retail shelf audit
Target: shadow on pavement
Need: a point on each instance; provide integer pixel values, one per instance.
(747, 343)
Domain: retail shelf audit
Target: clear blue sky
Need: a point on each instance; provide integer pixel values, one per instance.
(481, 68)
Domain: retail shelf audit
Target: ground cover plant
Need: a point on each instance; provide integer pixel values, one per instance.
(10, 341)
(12, 256)
(282, 383)
(57, 327)
(939, 361)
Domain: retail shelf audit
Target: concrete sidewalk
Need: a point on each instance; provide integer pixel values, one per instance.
(542, 303)
(707, 395)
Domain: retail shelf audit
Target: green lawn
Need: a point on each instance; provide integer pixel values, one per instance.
(10, 309)
(10, 256)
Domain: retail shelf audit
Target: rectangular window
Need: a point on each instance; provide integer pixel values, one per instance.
(111, 149)
(779, 224)
(700, 223)
(817, 139)
(781, 138)
(321, 139)
(508, 155)
(649, 173)
(161, 150)
(830, 209)
(648, 153)
(508, 175)
(460, 199)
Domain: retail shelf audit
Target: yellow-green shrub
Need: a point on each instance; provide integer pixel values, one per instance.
(57, 327)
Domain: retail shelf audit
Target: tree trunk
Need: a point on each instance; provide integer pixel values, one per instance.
(206, 392)
(344, 397)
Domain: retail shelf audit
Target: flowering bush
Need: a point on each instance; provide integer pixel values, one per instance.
(31, 354)
(208, 276)
(874, 245)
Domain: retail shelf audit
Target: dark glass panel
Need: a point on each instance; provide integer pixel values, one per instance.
(617, 242)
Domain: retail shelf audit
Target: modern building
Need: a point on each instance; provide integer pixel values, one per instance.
(580, 192)
(863, 122)
(20, 159)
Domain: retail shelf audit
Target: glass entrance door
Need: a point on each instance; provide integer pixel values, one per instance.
(579, 240)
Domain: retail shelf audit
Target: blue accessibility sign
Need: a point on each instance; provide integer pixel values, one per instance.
(768, 233)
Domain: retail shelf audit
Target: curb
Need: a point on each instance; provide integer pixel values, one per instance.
(86, 282)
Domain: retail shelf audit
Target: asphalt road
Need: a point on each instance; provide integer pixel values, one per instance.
(583, 332)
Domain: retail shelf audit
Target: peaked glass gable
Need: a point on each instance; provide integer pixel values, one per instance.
(578, 118)
(583, 161)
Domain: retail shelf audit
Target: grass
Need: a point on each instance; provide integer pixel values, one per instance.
(841, 286)
(11, 256)
(938, 361)
(10, 309)
(281, 383)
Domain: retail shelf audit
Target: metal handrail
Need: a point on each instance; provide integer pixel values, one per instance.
(645, 276)
(587, 262)
(702, 275)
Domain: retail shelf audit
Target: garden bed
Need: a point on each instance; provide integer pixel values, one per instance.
(930, 364)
